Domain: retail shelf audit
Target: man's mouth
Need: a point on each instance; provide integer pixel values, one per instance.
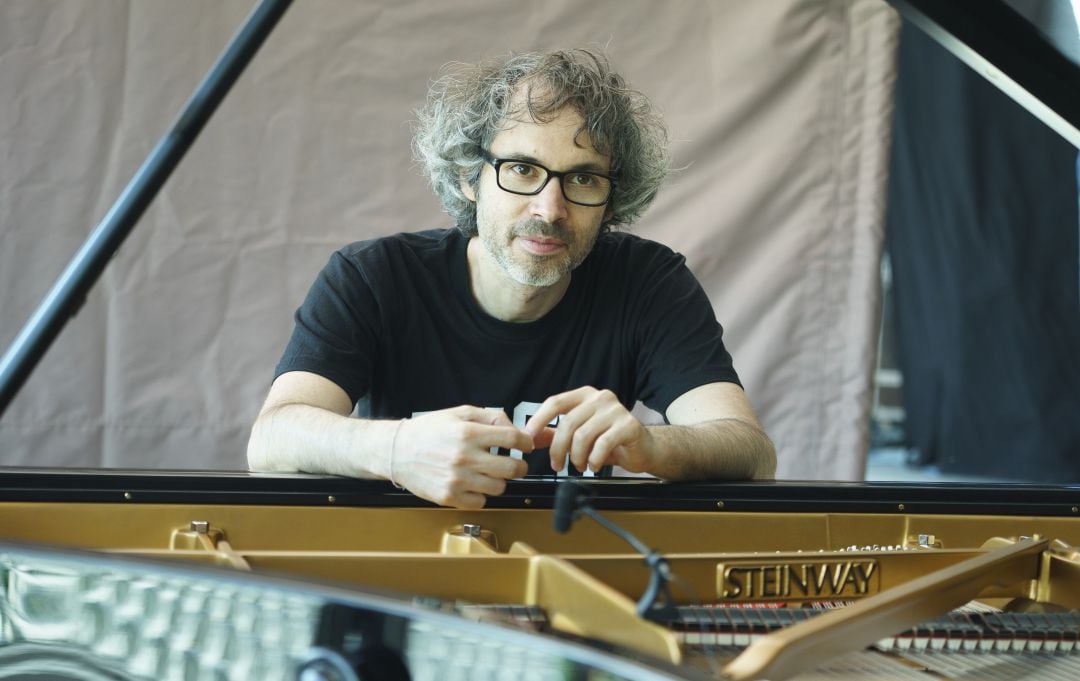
(539, 245)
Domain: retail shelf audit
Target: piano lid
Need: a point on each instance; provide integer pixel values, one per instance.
(1030, 50)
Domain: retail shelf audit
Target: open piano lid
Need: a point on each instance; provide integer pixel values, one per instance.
(1039, 67)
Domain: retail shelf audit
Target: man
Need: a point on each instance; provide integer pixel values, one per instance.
(529, 326)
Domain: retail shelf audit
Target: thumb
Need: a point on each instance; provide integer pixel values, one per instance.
(543, 437)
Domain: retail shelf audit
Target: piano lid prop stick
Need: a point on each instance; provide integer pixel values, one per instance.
(69, 291)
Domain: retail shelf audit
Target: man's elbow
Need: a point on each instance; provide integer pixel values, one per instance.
(260, 445)
(760, 452)
(766, 460)
(257, 459)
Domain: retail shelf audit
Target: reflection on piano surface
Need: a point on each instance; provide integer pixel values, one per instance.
(770, 580)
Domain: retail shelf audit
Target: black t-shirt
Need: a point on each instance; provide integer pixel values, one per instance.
(394, 323)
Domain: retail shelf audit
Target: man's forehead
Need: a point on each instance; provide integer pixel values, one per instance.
(549, 143)
(560, 133)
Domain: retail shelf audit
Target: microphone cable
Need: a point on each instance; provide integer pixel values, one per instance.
(572, 499)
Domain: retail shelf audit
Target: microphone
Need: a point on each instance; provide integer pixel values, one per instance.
(566, 506)
(572, 500)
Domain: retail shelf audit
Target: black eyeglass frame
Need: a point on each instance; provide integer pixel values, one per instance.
(496, 162)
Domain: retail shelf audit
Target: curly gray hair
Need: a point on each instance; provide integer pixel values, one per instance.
(468, 104)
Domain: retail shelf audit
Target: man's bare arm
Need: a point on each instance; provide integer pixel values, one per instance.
(714, 435)
(723, 449)
(442, 456)
(304, 426)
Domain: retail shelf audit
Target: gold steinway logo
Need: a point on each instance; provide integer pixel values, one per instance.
(810, 580)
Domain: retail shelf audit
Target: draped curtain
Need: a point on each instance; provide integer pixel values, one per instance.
(779, 114)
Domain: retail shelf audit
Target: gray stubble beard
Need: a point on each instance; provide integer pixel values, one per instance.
(545, 274)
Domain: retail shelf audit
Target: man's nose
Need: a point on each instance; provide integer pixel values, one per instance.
(550, 204)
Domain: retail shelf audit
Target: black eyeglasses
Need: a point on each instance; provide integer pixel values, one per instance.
(528, 179)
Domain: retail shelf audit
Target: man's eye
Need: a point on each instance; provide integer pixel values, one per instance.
(523, 169)
(583, 179)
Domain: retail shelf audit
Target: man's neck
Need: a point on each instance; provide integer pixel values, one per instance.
(504, 298)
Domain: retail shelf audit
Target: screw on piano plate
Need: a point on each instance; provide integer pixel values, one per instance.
(899, 507)
(528, 502)
(331, 499)
(720, 504)
(1074, 509)
(127, 496)
(200, 526)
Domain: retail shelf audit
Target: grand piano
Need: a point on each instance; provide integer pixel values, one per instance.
(124, 574)
(762, 580)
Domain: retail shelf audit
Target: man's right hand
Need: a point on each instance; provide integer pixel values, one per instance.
(444, 456)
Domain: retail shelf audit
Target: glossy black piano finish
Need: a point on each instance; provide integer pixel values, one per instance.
(787, 496)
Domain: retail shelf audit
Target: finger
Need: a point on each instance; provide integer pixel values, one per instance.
(585, 437)
(558, 461)
(544, 437)
(501, 467)
(487, 485)
(558, 457)
(468, 501)
(622, 433)
(506, 437)
(555, 406)
(456, 494)
(575, 434)
(468, 412)
(494, 417)
(598, 426)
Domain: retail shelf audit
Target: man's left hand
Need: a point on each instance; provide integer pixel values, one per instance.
(594, 430)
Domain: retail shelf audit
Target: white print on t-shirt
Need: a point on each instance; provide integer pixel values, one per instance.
(522, 413)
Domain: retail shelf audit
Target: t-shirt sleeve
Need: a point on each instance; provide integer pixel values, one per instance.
(336, 329)
(680, 342)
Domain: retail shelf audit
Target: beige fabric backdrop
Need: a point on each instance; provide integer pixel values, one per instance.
(779, 111)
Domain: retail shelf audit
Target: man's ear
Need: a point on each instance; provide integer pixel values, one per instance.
(466, 188)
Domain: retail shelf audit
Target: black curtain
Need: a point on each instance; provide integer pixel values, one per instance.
(982, 231)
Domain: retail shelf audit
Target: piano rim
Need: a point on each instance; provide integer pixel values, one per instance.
(244, 488)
